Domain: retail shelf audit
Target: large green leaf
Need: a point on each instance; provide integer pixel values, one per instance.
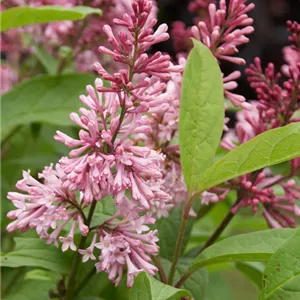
(168, 229)
(218, 288)
(31, 289)
(255, 246)
(26, 15)
(43, 99)
(146, 287)
(201, 113)
(282, 273)
(252, 271)
(34, 252)
(269, 148)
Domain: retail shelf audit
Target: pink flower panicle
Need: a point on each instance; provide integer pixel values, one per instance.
(277, 101)
(276, 209)
(224, 31)
(294, 29)
(45, 206)
(105, 161)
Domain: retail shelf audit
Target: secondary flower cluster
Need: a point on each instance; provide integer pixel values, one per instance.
(105, 161)
(277, 102)
(222, 31)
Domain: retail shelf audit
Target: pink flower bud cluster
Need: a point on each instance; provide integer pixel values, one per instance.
(106, 159)
(294, 29)
(277, 102)
(276, 209)
(223, 31)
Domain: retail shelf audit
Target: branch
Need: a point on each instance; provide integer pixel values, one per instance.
(161, 271)
(211, 240)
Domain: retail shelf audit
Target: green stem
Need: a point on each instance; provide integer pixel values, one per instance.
(177, 250)
(122, 115)
(85, 280)
(183, 223)
(77, 258)
(210, 241)
(219, 230)
(63, 62)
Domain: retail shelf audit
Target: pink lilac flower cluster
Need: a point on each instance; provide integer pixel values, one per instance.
(277, 105)
(106, 161)
(82, 37)
(223, 31)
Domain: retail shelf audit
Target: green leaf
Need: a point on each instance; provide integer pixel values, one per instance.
(146, 287)
(31, 290)
(218, 288)
(282, 273)
(25, 15)
(49, 62)
(252, 271)
(269, 148)
(201, 113)
(255, 246)
(46, 98)
(34, 252)
(168, 229)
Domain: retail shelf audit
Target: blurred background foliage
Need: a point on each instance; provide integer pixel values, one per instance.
(30, 145)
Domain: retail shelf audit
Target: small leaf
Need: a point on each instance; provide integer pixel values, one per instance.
(49, 62)
(281, 279)
(269, 148)
(168, 229)
(201, 113)
(33, 252)
(25, 15)
(46, 98)
(254, 246)
(146, 287)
